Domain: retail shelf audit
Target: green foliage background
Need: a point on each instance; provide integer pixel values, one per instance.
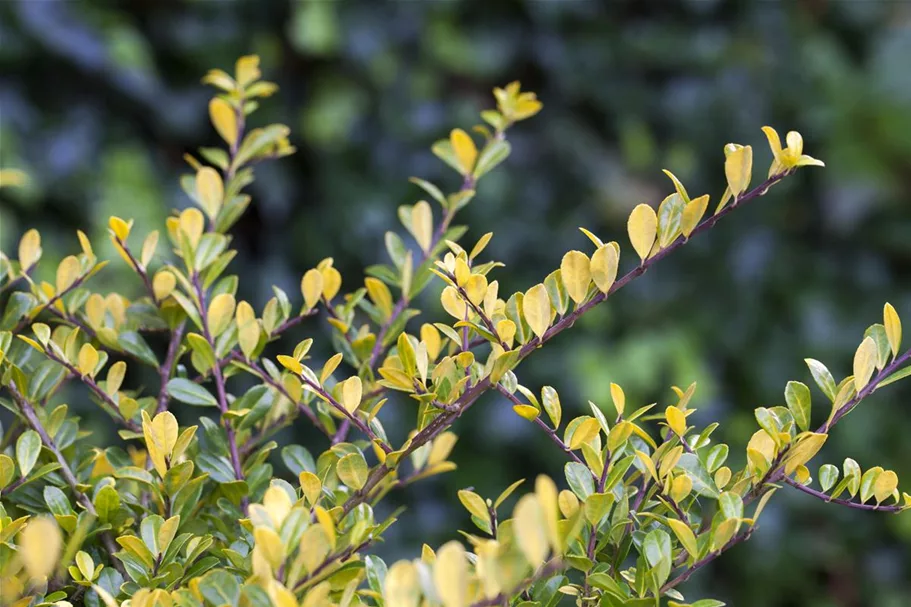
(99, 100)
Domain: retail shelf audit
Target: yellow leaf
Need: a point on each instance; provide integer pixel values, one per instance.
(476, 288)
(402, 586)
(893, 328)
(619, 398)
(546, 491)
(575, 269)
(648, 463)
(642, 227)
(676, 420)
(120, 227)
(584, 433)
(722, 477)
(692, 214)
(88, 360)
(682, 485)
(29, 249)
(220, 314)
(808, 445)
(67, 273)
(536, 309)
(464, 149)
(40, 543)
(163, 284)
(685, 535)
(604, 265)
(290, 363)
(380, 295)
(192, 224)
(480, 245)
(450, 574)
(148, 248)
(224, 119)
(12, 177)
(115, 377)
(269, 545)
(475, 504)
(352, 470)
(330, 366)
(332, 282)
(352, 390)
(422, 224)
(431, 337)
(160, 436)
(312, 288)
(166, 533)
(530, 530)
(568, 502)
(210, 191)
(506, 329)
(527, 411)
(246, 69)
(738, 168)
(453, 303)
(885, 485)
(864, 363)
(311, 486)
(248, 330)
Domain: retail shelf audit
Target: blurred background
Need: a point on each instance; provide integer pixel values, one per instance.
(99, 101)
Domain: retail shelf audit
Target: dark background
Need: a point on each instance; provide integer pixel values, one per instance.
(99, 100)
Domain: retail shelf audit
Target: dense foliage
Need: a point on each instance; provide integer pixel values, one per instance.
(192, 514)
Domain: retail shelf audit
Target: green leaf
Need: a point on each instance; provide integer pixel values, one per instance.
(731, 505)
(823, 378)
(551, 403)
(56, 501)
(580, 479)
(107, 501)
(27, 449)
(828, 475)
(702, 480)
(136, 345)
(797, 395)
(190, 393)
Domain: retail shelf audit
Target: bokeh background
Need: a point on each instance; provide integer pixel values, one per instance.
(99, 100)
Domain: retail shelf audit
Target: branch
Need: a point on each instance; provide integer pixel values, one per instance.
(137, 267)
(551, 433)
(378, 348)
(775, 473)
(471, 394)
(90, 383)
(167, 367)
(32, 418)
(261, 373)
(220, 388)
(834, 500)
(50, 302)
(706, 560)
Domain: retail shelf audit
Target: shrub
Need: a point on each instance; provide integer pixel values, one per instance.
(195, 515)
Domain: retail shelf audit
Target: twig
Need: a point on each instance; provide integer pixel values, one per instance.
(842, 502)
(706, 560)
(49, 303)
(551, 433)
(167, 367)
(90, 383)
(467, 399)
(220, 388)
(32, 418)
(261, 373)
